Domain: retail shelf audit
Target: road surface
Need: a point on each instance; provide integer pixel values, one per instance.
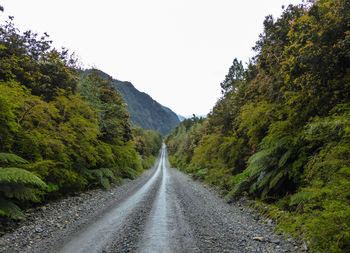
(169, 212)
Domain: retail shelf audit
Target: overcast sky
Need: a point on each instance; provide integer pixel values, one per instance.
(177, 51)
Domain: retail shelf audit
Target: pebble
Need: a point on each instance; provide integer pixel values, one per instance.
(259, 238)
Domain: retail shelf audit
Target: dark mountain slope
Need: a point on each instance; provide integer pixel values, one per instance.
(145, 111)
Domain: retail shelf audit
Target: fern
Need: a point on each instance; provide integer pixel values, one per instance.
(265, 179)
(101, 176)
(201, 173)
(239, 188)
(129, 173)
(11, 158)
(266, 169)
(276, 180)
(8, 208)
(16, 183)
(108, 173)
(105, 183)
(300, 198)
(17, 176)
(284, 158)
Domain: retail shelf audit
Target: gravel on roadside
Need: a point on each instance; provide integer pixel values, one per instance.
(221, 227)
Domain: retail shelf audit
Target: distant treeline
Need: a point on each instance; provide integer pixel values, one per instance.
(61, 132)
(281, 131)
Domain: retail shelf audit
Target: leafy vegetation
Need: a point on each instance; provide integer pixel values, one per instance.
(61, 132)
(280, 132)
(16, 185)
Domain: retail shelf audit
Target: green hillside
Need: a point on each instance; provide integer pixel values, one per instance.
(280, 134)
(144, 111)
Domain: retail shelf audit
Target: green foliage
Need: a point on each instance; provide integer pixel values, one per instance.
(128, 163)
(322, 205)
(269, 168)
(11, 94)
(8, 208)
(11, 158)
(255, 120)
(65, 126)
(173, 161)
(234, 78)
(280, 133)
(13, 176)
(33, 63)
(183, 139)
(16, 184)
(147, 142)
(148, 161)
(201, 173)
(101, 177)
(110, 108)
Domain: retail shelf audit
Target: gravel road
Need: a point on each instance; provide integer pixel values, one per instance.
(161, 211)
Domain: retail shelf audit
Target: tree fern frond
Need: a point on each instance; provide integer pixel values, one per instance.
(266, 179)
(277, 178)
(8, 208)
(253, 188)
(20, 176)
(284, 158)
(264, 192)
(240, 187)
(98, 174)
(18, 191)
(11, 158)
(260, 157)
(300, 197)
(103, 176)
(107, 173)
(105, 183)
(239, 177)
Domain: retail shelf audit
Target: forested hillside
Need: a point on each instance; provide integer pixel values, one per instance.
(146, 112)
(143, 110)
(281, 131)
(60, 133)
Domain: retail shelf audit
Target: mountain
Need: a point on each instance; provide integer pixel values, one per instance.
(144, 111)
(181, 118)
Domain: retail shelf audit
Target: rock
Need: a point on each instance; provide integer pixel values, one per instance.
(275, 241)
(259, 238)
(268, 221)
(305, 247)
(38, 229)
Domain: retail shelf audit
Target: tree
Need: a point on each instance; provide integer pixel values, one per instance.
(109, 105)
(234, 78)
(33, 63)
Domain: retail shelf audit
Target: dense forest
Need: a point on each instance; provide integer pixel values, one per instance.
(280, 133)
(61, 132)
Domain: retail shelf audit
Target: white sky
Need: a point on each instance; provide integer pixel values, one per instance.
(177, 51)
